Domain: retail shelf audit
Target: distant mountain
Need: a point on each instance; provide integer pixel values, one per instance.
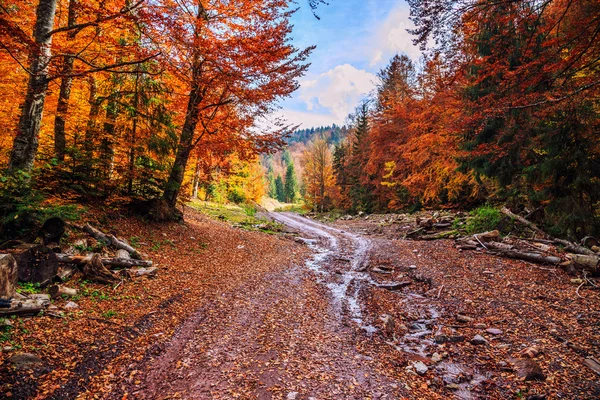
(334, 134)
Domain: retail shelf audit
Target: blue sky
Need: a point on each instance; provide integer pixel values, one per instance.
(354, 39)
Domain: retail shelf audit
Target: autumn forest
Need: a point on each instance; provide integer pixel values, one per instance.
(299, 199)
(161, 101)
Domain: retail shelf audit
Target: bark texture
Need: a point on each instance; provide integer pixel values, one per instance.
(26, 142)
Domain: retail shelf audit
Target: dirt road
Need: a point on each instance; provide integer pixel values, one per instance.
(317, 331)
(297, 333)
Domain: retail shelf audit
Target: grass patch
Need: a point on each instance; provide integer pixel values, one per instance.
(483, 219)
(28, 287)
(242, 216)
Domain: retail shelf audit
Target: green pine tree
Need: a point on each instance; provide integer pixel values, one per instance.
(291, 184)
(279, 189)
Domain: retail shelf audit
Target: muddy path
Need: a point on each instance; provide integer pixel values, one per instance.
(295, 333)
(335, 327)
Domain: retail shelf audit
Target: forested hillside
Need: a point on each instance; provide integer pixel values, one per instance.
(142, 100)
(504, 108)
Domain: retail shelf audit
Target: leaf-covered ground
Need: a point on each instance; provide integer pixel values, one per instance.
(238, 314)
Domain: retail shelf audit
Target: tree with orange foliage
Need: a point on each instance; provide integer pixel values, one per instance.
(530, 92)
(235, 61)
(319, 182)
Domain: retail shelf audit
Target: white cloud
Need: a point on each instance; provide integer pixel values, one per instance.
(391, 37)
(337, 91)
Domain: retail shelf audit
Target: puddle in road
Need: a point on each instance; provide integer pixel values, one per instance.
(344, 285)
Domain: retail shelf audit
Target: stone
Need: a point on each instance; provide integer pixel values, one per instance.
(463, 318)
(421, 368)
(478, 339)
(415, 326)
(24, 360)
(441, 339)
(71, 305)
(6, 349)
(494, 331)
(412, 267)
(436, 358)
(529, 370)
(292, 396)
(479, 326)
(530, 352)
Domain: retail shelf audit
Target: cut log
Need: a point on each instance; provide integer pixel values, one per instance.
(65, 272)
(588, 263)
(508, 251)
(122, 254)
(24, 307)
(574, 248)
(487, 236)
(589, 242)
(110, 261)
(136, 272)
(61, 291)
(37, 264)
(394, 285)
(8, 276)
(112, 240)
(438, 236)
(95, 271)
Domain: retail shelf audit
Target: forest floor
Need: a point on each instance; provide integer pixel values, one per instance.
(250, 315)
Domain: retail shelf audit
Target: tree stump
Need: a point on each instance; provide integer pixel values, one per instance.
(8, 276)
(52, 230)
(95, 271)
(36, 264)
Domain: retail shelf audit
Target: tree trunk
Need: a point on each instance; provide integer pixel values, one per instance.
(196, 182)
(107, 150)
(60, 142)
(189, 126)
(25, 144)
(91, 131)
(136, 100)
(185, 144)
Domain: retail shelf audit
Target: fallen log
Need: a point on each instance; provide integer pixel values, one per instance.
(523, 221)
(143, 272)
(437, 236)
(110, 261)
(574, 248)
(24, 307)
(569, 246)
(394, 285)
(586, 262)
(509, 251)
(61, 291)
(111, 239)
